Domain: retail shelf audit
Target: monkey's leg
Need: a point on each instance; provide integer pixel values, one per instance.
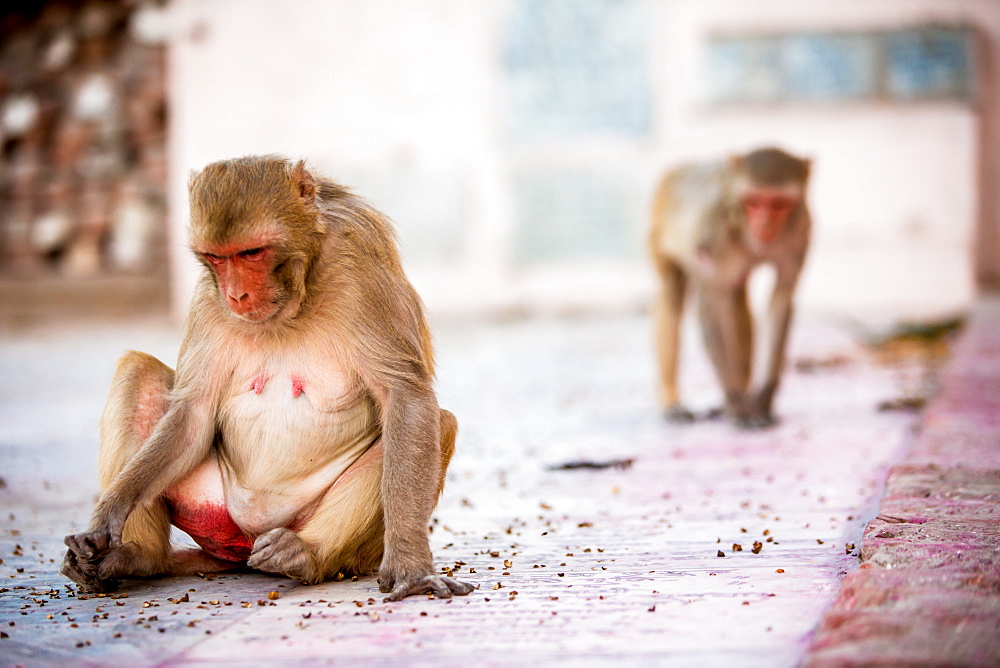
(756, 409)
(449, 432)
(725, 323)
(778, 320)
(342, 535)
(399, 583)
(668, 310)
(345, 533)
(136, 402)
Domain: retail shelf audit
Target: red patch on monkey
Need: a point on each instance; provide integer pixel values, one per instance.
(766, 213)
(258, 384)
(297, 386)
(211, 526)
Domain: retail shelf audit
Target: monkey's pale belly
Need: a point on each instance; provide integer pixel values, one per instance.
(235, 495)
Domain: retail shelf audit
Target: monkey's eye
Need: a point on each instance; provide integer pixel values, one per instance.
(251, 253)
(214, 259)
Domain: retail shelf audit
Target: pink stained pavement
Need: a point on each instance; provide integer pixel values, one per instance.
(928, 588)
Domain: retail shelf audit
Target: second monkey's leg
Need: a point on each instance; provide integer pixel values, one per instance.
(668, 311)
(728, 335)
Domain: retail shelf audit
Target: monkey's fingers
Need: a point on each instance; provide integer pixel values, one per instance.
(77, 569)
(459, 588)
(84, 572)
(89, 545)
(283, 552)
(438, 585)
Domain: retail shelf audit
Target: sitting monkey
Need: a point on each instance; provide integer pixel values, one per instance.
(300, 433)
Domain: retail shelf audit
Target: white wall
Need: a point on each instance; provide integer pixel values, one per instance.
(405, 101)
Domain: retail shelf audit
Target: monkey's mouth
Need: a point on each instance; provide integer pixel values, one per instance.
(258, 313)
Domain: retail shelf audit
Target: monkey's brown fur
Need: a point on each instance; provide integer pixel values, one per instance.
(711, 225)
(302, 405)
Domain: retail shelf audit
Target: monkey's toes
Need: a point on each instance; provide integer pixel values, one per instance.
(281, 551)
(677, 414)
(438, 585)
(756, 422)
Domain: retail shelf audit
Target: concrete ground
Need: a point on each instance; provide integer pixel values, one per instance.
(712, 547)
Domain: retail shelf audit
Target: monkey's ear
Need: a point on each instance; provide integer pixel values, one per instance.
(304, 183)
(807, 164)
(192, 175)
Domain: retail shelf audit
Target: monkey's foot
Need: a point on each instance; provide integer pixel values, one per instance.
(755, 422)
(677, 414)
(438, 585)
(712, 414)
(281, 551)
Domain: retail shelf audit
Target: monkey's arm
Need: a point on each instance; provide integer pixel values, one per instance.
(779, 317)
(412, 459)
(180, 440)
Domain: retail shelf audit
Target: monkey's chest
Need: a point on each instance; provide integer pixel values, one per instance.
(284, 406)
(285, 437)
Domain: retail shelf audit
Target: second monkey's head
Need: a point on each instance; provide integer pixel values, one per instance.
(769, 187)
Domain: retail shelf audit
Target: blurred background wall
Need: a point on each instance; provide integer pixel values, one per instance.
(516, 143)
(83, 114)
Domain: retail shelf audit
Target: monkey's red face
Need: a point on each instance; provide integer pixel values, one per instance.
(766, 211)
(245, 276)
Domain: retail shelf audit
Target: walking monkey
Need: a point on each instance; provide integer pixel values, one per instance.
(712, 224)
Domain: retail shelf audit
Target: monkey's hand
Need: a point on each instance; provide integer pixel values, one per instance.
(440, 586)
(95, 557)
(85, 557)
(400, 580)
(758, 409)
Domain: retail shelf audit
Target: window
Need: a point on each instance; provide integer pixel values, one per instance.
(930, 63)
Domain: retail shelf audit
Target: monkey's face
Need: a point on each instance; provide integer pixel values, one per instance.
(244, 274)
(766, 211)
